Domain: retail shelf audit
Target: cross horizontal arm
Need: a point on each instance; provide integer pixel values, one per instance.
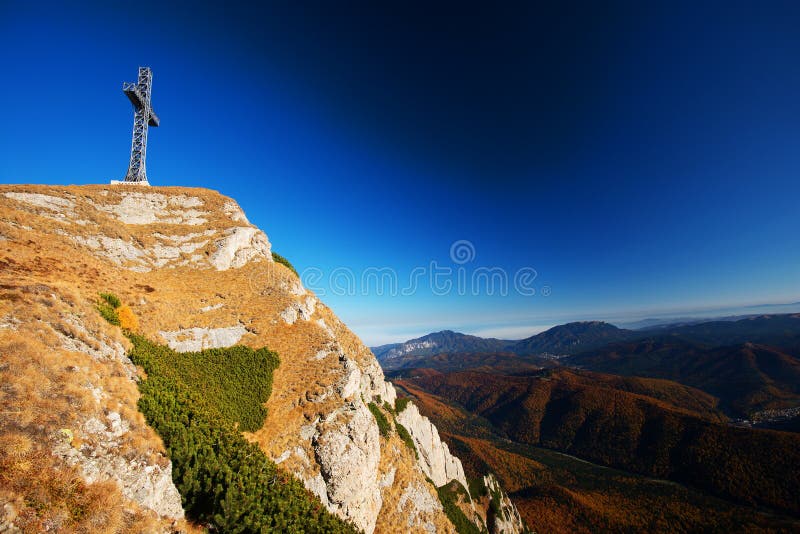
(139, 101)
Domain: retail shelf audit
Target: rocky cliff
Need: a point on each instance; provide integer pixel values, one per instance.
(197, 275)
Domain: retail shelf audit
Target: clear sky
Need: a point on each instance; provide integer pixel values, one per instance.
(641, 157)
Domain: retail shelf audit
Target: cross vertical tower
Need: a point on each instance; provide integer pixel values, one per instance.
(143, 116)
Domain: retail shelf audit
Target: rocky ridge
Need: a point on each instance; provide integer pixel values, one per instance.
(198, 275)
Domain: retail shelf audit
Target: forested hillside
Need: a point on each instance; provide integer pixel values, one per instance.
(602, 423)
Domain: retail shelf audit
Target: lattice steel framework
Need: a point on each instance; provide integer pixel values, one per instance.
(143, 116)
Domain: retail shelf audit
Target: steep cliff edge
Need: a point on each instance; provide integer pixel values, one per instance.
(197, 275)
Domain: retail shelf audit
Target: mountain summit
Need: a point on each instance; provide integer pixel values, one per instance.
(437, 343)
(571, 338)
(188, 277)
(568, 338)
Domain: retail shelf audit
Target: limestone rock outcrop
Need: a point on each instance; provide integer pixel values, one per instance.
(435, 458)
(507, 519)
(240, 245)
(197, 339)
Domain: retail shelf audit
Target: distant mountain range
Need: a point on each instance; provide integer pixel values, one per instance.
(734, 314)
(750, 364)
(569, 338)
(439, 342)
(573, 338)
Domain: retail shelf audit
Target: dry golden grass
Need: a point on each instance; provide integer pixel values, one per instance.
(392, 518)
(44, 390)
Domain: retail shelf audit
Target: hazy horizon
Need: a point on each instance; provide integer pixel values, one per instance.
(522, 331)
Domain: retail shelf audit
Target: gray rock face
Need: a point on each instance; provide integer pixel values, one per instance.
(299, 309)
(98, 457)
(241, 245)
(420, 500)
(233, 211)
(348, 454)
(507, 520)
(434, 455)
(197, 339)
(147, 208)
(374, 384)
(48, 202)
(121, 252)
(232, 248)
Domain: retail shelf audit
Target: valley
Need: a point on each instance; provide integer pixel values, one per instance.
(645, 432)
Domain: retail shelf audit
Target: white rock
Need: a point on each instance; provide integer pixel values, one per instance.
(148, 208)
(197, 339)
(147, 484)
(387, 480)
(302, 309)
(49, 202)
(434, 455)
(420, 500)
(507, 520)
(233, 211)
(373, 383)
(115, 249)
(324, 326)
(289, 315)
(348, 455)
(240, 245)
(317, 486)
(350, 384)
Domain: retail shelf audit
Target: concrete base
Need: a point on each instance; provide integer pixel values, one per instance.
(124, 182)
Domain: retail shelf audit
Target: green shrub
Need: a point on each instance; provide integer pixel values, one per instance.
(283, 261)
(111, 300)
(107, 307)
(448, 496)
(237, 381)
(108, 313)
(193, 403)
(495, 501)
(400, 404)
(383, 424)
(406, 437)
(477, 487)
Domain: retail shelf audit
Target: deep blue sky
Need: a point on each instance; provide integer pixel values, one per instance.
(641, 157)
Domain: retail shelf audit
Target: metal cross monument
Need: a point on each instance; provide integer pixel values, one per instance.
(143, 116)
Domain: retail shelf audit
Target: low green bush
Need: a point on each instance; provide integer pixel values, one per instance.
(283, 261)
(111, 300)
(107, 307)
(383, 424)
(237, 380)
(477, 487)
(195, 405)
(400, 404)
(448, 496)
(406, 437)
